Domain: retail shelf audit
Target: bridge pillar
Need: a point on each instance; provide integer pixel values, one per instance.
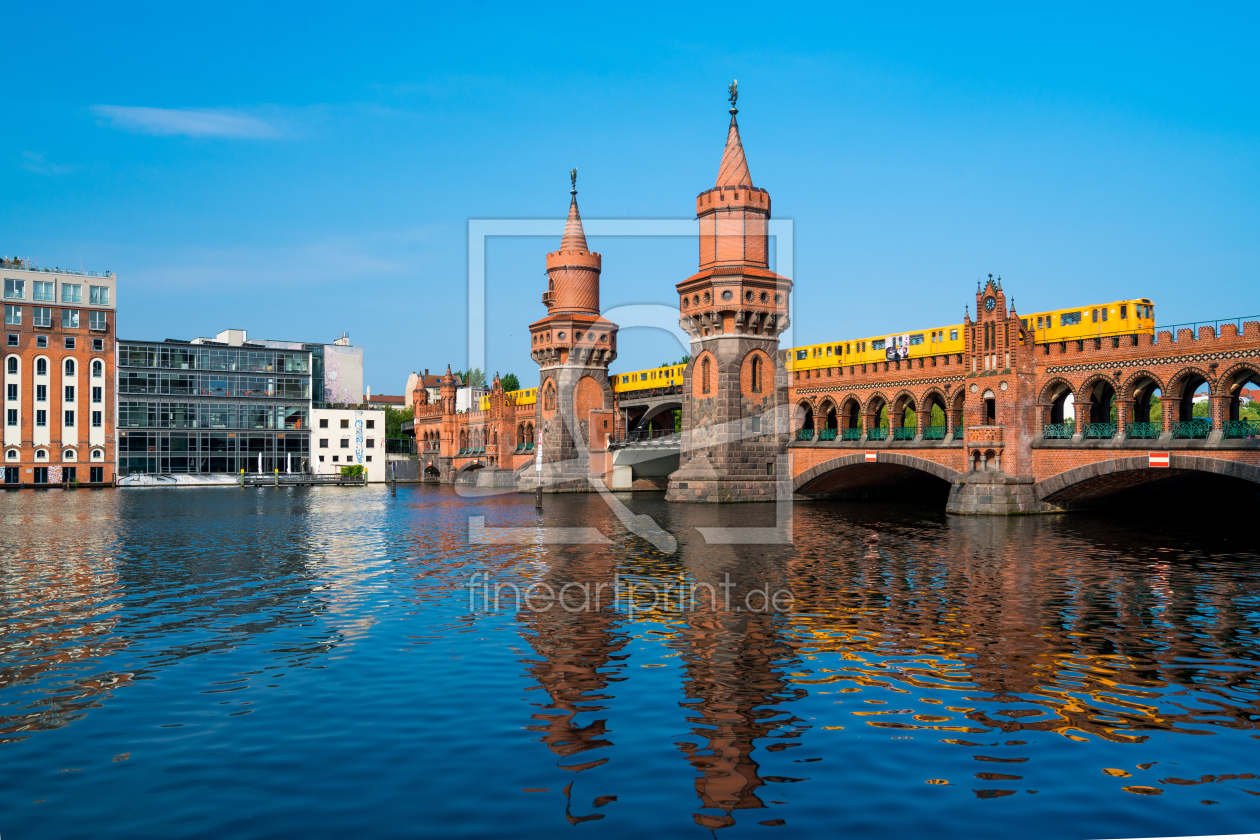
(734, 400)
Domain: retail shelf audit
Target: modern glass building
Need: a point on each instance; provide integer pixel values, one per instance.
(212, 407)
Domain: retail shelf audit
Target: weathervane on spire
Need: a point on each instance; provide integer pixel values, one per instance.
(733, 90)
(573, 180)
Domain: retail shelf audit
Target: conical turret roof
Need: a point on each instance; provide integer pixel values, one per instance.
(734, 169)
(574, 236)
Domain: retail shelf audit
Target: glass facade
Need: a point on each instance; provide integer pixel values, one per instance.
(200, 408)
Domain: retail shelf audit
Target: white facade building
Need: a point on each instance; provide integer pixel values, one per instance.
(343, 437)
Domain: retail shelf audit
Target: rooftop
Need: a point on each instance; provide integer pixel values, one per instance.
(21, 264)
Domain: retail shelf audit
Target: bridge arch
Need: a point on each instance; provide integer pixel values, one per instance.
(1053, 400)
(895, 475)
(1233, 380)
(1106, 482)
(803, 417)
(851, 412)
(828, 413)
(870, 411)
(1182, 387)
(1098, 394)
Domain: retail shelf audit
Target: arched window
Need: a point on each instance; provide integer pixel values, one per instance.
(69, 367)
(549, 398)
(704, 375)
(41, 367)
(13, 364)
(756, 374)
(98, 369)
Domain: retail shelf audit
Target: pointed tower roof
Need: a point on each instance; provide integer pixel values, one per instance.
(574, 236)
(734, 169)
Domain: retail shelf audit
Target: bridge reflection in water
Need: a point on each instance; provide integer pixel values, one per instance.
(1086, 676)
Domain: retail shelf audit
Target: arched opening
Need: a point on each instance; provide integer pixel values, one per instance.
(894, 477)
(877, 418)
(852, 414)
(69, 367)
(1244, 403)
(991, 462)
(988, 409)
(956, 412)
(1193, 397)
(937, 418)
(804, 421)
(1102, 402)
(754, 374)
(1146, 420)
(705, 374)
(905, 421)
(1191, 481)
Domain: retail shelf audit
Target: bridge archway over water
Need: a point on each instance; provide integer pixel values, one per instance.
(895, 476)
(1188, 480)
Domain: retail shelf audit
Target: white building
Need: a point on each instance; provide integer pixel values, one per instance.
(343, 437)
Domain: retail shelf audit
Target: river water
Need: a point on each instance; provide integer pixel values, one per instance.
(313, 662)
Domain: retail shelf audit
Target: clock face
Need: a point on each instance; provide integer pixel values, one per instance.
(990, 302)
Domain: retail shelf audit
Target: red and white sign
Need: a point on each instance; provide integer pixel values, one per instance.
(1158, 459)
(871, 457)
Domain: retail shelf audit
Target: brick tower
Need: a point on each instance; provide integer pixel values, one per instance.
(573, 347)
(734, 309)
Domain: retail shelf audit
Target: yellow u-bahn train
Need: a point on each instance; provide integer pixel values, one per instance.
(525, 396)
(1122, 317)
(642, 380)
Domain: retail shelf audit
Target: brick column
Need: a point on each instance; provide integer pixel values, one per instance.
(1124, 411)
(923, 416)
(1219, 406)
(1170, 407)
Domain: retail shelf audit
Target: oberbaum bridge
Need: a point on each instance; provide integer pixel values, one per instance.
(972, 413)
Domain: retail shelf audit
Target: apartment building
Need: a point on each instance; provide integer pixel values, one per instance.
(59, 328)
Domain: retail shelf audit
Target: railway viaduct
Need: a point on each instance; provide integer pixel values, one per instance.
(988, 428)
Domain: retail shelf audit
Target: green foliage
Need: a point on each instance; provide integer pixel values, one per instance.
(883, 417)
(510, 382)
(473, 378)
(1201, 409)
(394, 419)
(908, 418)
(1250, 411)
(1157, 411)
(936, 417)
(683, 361)
(352, 471)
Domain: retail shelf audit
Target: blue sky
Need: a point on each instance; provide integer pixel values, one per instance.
(306, 169)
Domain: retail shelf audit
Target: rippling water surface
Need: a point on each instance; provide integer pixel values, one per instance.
(312, 662)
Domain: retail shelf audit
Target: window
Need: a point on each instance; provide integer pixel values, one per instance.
(1094, 314)
(41, 473)
(96, 319)
(1104, 313)
(371, 442)
(1124, 312)
(97, 417)
(953, 335)
(1068, 319)
(69, 319)
(323, 443)
(97, 369)
(367, 458)
(321, 459)
(877, 344)
(41, 341)
(42, 316)
(12, 364)
(41, 367)
(11, 417)
(69, 418)
(71, 293)
(41, 393)
(345, 443)
(14, 289)
(44, 291)
(41, 418)
(12, 315)
(916, 339)
(69, 365)
(69, 393)
(336, 457)
(1038, 322)
(345, 424)
(96, 475)
(69, 342)
(98, 344)
(98, 295)
(704, 375)
(13, 340)
(801, 354)
(323, 423)
(11, 391)
(755, 370)
(97, 393)
(371, 424)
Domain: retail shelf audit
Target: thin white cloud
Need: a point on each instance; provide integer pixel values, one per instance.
(186, 122)
(35, 162)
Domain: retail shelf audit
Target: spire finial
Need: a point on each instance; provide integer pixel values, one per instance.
(733, 90)
(573, 181)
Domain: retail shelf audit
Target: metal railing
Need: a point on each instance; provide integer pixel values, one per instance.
(851, 434)
(877, 434)
(400, 446)
(1058, 431)
(1143, 431)
(935, 432)
(1235, 429)
(905, 433)
(1098, 431)
(804, 434)
(1196, 428)
(827, 434)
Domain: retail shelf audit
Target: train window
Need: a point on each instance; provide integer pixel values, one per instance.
(917, 338)
(828, 351)
(1104, 313)
(1038, 322)
(878, 344)
(801, 354)
(953, 335)
(1068, 319)
(1094, 316)
(1024, 321)
(1124, 312)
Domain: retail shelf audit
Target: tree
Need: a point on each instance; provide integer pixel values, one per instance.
(394, 419)
(472, 378)
(683, 361)
(510, 382)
